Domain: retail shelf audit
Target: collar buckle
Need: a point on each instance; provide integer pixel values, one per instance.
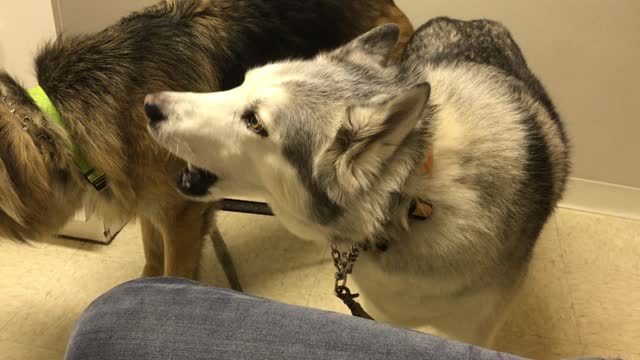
(96, 179)
(420, 210)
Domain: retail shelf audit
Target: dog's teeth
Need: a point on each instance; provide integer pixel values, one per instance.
(186, 179)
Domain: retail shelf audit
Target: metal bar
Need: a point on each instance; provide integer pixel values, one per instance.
(224, 257)
(247, 207)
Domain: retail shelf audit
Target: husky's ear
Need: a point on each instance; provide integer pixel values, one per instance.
(373, 47)
(369, 137)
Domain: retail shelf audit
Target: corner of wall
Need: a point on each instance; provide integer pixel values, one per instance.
(602, 198)
(57, 16)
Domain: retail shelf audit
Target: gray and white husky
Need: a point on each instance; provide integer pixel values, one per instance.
(339, 147)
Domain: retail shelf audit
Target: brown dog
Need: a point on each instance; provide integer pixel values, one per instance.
(98, 83)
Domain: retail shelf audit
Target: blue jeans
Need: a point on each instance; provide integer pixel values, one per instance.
(169, 318)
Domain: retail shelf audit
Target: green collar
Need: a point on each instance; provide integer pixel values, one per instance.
(94, 176)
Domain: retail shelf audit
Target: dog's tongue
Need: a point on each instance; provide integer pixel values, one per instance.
(195, 181)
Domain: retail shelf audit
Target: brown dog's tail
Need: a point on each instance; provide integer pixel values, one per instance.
(391, 13)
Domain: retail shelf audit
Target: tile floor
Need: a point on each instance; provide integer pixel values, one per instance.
(582, 296)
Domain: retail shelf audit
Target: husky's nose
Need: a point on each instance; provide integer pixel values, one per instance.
(152, 110)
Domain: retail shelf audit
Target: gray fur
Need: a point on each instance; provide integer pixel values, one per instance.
(357, 129)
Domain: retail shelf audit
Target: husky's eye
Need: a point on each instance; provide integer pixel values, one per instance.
(253, 123)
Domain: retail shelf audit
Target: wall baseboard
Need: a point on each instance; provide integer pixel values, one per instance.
(602, 198)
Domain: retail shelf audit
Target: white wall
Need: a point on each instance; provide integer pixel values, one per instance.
(24, 26)
(84, 16)
(587, 53)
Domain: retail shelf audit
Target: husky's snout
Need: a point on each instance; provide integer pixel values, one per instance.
(192, 181)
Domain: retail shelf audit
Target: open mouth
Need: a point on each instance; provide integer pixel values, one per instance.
(194, 181)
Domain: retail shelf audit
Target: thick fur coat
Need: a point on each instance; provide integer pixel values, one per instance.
(336, 145)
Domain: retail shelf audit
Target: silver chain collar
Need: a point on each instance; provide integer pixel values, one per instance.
(344, 261)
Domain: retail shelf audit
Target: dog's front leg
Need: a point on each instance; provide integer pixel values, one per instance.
(183, 237)
(153, 244)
